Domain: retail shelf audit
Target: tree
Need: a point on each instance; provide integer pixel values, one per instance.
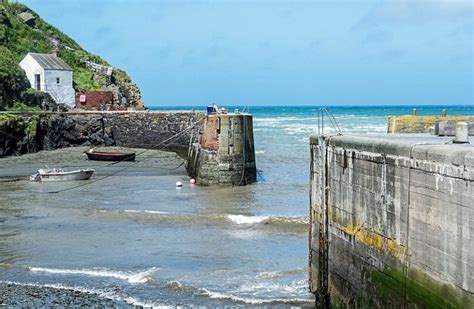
(13, 80)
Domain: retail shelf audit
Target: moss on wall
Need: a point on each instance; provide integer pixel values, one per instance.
(17, 134)
(18, 126)
(419, 290)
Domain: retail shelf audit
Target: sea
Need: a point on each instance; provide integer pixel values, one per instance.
(135, 237)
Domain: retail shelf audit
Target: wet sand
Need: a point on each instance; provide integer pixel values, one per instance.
(21, 167)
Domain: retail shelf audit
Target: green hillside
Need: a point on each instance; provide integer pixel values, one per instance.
(20, 35)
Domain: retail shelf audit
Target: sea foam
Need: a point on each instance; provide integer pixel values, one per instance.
(241, 219)
(281, 273)
(180, 287)
(141, 277)
(146, 211)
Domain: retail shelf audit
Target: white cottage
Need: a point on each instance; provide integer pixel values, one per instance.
(49, 73)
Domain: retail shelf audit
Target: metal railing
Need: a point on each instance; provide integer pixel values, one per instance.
(332, 120)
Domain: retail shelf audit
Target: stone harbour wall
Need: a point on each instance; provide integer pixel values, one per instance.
(219, 148)
(17, 134)
(225, 153)
(391, 222)
(160, 130)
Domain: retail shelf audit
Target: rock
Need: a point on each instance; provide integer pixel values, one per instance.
(108, 142)
(28, 18)
(96, 139)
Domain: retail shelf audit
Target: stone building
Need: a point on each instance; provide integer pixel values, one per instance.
(49, 73)
(97, 100)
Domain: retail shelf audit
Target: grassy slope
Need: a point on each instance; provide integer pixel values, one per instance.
(19, 39)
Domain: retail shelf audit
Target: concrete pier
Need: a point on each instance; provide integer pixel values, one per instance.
(423, 124)
(224, 153)
(392, 221)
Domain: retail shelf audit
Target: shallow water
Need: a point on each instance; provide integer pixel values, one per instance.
(134, 236)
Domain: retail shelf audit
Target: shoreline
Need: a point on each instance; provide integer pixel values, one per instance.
(149, 161)
(14, 294)
(15, 171)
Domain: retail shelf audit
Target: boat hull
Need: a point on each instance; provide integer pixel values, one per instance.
(110, 156)
(63, 176)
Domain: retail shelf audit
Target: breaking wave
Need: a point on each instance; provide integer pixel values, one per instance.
(241, 221)
(141, 277)
(234, 295)
(145, 211)
(268, 220)
(277, 274)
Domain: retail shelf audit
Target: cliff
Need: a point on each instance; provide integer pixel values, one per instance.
(22, 31)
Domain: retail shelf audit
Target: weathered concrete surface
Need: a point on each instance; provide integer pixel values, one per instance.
(448, 128)
(225, 153)
(392, 221)
(141, 129)
(420, 124)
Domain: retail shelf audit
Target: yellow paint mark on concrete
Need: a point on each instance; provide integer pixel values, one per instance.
(374, 240)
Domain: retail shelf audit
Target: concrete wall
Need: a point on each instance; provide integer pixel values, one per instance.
(419, 124)
(225, 153)
(448, 128)
(392, 221)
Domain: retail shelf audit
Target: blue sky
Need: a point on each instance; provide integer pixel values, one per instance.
(280, 52)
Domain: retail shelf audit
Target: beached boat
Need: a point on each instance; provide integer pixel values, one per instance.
(56, 174)
(110, 156)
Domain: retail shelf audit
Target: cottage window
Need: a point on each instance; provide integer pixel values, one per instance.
(58, 80)
(37, 82)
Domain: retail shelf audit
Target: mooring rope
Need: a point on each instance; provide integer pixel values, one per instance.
(11, 180)
(163, 143)
(7, 134)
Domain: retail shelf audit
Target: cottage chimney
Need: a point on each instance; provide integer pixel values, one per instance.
(56, 51)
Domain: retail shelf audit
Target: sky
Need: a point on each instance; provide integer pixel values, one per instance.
(372, 52)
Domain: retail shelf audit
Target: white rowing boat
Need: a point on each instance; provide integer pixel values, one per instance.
(56, 174)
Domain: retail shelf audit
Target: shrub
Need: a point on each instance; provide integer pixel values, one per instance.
(12, 78)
